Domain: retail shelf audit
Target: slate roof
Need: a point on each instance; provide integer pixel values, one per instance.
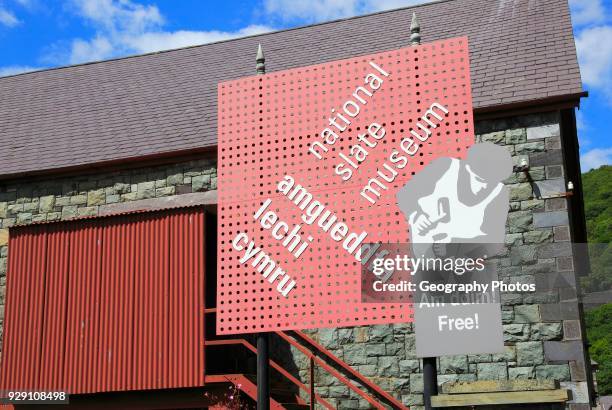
(165, 102)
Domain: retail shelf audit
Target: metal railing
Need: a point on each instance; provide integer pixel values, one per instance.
(318, 356)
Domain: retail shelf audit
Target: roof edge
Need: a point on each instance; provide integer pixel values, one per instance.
(490, 112)
(424, 4)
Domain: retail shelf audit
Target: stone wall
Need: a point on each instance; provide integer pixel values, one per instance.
(22, 203)
(541, 331)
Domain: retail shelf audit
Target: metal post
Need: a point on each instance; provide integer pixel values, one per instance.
(263, 372)
(312, 385)
(430, 380)
(430, 371)
(263, 339)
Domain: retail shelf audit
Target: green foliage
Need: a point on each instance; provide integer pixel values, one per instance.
(597, 191)
(597, 187)
(599, 333)
(600, 278)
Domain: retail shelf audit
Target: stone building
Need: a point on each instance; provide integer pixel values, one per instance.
(139, 134)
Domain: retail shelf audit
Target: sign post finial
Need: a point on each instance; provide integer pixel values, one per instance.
(261, 61)
(415, 31)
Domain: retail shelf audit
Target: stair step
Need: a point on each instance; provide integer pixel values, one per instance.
(295, 406)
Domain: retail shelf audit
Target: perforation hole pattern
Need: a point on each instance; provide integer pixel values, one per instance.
(266, 126)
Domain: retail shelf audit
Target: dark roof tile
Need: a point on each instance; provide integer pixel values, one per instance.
(165, 102)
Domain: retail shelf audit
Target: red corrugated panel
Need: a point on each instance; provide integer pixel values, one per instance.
(56, 286)
(112, 304)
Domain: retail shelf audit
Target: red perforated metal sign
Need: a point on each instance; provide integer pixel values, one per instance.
(310, 160)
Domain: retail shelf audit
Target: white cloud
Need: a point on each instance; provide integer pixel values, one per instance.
(126, 27)
(7, 18)
(595, 56)
(585, 12)
(321, 10)
(163, 40)
(315, 10)
(97, 48)
(17, 69)
(581, 122)
(119, 16)
(595, 158)
(26, 3)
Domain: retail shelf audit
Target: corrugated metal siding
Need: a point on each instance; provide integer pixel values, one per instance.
(112, 304)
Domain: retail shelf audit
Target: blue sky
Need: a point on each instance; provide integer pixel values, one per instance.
(37, 34)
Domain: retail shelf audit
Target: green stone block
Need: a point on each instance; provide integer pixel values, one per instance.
(381, 333)
(409, 366)
(175, 179)
(532, 205)
(121, 188)
(39, 218)
(339, 391)
(519, 221)
(527, 314)
(78, 200)
(388, 366)
(410, 346)
(375, 349)
(558, 372)
(537, 173)
(529, 353)
(62, 201)
(523, 255)
(112, 199)
(516, 332)
(510, 299)
(31, 207)
(146, 190)
(368, 370)
(497, 137)
(130, 196)
(14, 209)
(516, 136)
(513, 239)
(395, 349)
(479, 358)
(24, 218)
(401, 384)
(412, 400)
(546, 331)
(46, 204)
(520, 192)
(507, 316)
(538, 236)
(530, 147)
(521, 373)
(97, 197)
(453, 364)
(87, 211)
(355, 354)
(508, 355)
(416, 383)
(164, 191)
(200, 183)
(346, 336)
(492, 371)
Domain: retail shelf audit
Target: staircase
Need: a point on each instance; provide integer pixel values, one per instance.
(318, 356)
